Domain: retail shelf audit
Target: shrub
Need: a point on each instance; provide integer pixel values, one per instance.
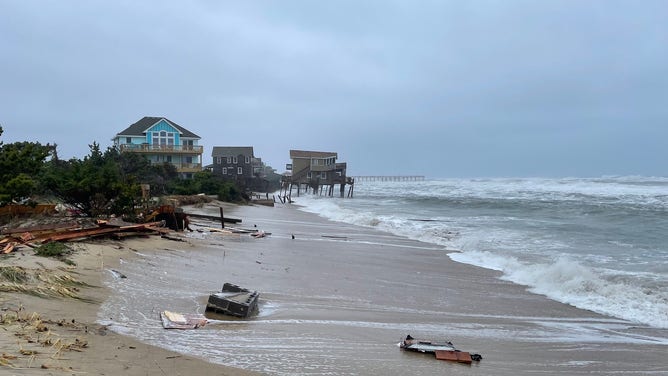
(56, 250)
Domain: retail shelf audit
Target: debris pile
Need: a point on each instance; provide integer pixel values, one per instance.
(59, 231)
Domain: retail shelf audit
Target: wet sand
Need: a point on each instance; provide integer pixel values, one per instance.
(61, 336)
(337, 299)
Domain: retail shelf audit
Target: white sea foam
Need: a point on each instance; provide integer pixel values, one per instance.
(572, 240)
(569, 282)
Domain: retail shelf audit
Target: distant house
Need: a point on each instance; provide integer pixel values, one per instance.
(316, 169)
(233, 162)
(162, 140)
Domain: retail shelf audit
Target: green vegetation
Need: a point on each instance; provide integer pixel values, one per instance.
(56, 250)
(21, 164)
(53, 249)
(102, 183)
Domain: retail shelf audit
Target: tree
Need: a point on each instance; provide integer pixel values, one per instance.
(20, 165)
(92, 185)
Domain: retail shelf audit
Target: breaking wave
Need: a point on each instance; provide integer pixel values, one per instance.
(597, 244)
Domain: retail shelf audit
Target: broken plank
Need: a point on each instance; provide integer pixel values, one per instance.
(42, 228)
(91, 232)
(9, 248)
(454, 356)
(214, 218)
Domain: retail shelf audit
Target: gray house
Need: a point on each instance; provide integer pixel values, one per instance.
(233, 162)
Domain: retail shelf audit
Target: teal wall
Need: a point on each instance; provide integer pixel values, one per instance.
(162, 125)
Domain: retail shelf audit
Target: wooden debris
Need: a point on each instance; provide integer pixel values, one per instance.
(214, 218)
(26, 237)
(454, 356)
(106, 229)
(9, 247)
(173, 320)
(71, 231)
(50, 227)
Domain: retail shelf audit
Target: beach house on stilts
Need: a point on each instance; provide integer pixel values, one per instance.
(315, 171)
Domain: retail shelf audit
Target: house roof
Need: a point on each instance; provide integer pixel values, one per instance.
(140, 127)
(231, 151)
(311, 154)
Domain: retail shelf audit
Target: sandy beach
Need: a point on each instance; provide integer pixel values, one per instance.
(335, 299)
(62, 336)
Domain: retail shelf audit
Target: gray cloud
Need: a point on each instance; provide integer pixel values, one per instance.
(443, 88)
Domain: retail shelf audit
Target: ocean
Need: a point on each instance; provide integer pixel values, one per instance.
(485, 263)
(599, 244)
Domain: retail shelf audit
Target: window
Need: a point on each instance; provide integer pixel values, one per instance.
(234, 160)
(308, 175)
(169, 158)
(229, 160)
(163, 138)
(128, 140)
(224, 170)
(323, 175)
(240, 171)
(189, 160)
(218, 159)
(247, 159)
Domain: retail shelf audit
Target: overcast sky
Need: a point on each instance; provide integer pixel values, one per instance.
(436, 88)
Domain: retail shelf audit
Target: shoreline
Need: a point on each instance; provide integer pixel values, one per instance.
(337, 283)
(348, 269)
(76, 342)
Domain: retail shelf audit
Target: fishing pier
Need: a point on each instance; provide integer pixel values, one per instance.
(361, 179)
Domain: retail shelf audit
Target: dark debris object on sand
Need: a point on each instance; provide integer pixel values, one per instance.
(443, 350)
(234, 301)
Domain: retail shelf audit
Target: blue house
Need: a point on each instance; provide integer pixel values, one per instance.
(162, 140)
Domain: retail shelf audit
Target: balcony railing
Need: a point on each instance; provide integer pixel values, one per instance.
(146, 148)
(184, 167)
(188, 167)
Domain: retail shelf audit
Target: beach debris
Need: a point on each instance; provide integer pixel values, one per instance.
(173, 238)
(239, 231)
(234, 301)
(117, 274)
(214, 218)
(264, 201)
(69, 231)
(173, 320)
(338, 237)
(443, 350)
(259, 234)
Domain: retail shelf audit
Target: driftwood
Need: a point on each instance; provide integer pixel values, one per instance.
(52, 233)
